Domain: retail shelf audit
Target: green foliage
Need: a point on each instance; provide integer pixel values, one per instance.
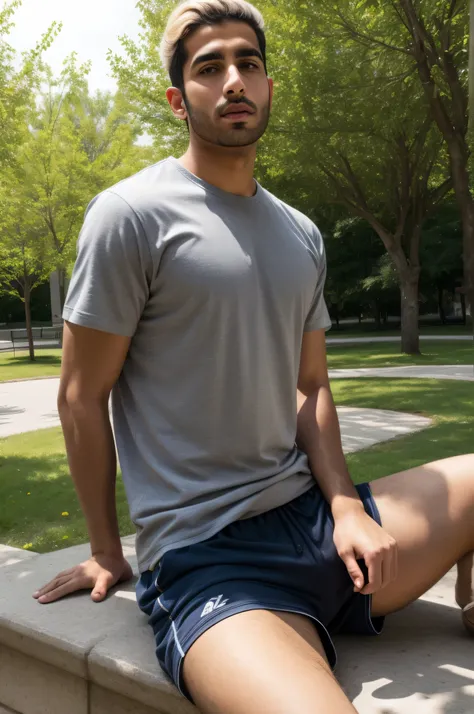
(143, 81)
(17, 84)
(59, 147)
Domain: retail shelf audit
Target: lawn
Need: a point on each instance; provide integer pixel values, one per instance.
(387, 354)
(40, 510)
(47, 364)
(367, 329)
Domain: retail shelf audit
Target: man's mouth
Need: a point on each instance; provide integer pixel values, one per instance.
(238, 112)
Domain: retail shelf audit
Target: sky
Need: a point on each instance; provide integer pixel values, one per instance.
(90, 27)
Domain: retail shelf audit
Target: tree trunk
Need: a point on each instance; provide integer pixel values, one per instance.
(377, 314)
(442, 315)
(409, 312)
(463, 308)
(459, 165)
(29, 328)
(62, 287)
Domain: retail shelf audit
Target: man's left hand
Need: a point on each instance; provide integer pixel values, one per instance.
(358, 536)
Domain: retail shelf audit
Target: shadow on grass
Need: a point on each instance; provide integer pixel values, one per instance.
(387, 354)
(434, 397)
(35, 492)
(22, 360)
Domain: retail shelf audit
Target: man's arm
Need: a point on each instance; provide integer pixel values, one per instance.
(91, 363)
(356, 535)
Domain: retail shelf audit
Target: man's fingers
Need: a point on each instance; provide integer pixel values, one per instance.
(374, 567)
(52, 585)
(69, 571)
(394, 563)
(353, 569)
(102, 585)
(67, 588)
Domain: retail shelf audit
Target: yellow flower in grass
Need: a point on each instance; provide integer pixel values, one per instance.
(27, 545)
(64, 513)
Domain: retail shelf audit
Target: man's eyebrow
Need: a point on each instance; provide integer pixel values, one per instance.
(249, 52)
(209, 56)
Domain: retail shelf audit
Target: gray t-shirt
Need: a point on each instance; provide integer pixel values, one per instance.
(215, 291)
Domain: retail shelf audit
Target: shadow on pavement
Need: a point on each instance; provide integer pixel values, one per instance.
(423, 654)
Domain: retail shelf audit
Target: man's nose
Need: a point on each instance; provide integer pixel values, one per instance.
(234, 84)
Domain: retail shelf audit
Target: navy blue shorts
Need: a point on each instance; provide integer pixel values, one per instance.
(283, 560)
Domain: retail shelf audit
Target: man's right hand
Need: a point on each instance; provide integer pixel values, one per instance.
(99, 574)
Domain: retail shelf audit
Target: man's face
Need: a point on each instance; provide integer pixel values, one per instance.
(228, 95)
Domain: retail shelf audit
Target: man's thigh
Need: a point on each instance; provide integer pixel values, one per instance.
(429, 510)
(262, 662)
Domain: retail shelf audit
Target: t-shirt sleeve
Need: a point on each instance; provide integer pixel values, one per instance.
(318, 315)
(110, 282)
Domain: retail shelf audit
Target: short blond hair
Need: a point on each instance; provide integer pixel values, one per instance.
(191, 14)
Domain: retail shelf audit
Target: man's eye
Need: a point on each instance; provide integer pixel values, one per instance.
(208, 70)
(250, 65)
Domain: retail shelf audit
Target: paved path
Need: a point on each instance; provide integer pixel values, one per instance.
(28, 406)
(7, 346)
(463, 372)
(31, 405)
(392, 338)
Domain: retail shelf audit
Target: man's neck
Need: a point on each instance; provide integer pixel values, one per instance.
(230, 169)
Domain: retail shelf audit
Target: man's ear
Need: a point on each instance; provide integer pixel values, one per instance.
(176, 102)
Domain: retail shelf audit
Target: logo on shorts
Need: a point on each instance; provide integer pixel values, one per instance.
(213, 604)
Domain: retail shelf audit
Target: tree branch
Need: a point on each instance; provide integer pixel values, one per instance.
(366, 39)
(423, 39)
(437, 194)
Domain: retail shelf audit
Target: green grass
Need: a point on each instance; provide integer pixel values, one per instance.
(387, 354)
(370, 330)
(36, 489)
(47, 364)
(450, 404)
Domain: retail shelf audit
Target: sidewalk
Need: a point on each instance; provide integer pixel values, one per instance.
(461, 372)
(7, 346)
(30, 405)
(392, 338)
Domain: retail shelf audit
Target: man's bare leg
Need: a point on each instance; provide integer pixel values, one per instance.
(429, 510)
(263, 661)
(465, 583)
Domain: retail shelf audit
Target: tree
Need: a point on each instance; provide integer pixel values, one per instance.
(143, 82)
(343, 113)
(432, 37)
(17, 85)
(25, 261)
(80, 144)
(352, 250)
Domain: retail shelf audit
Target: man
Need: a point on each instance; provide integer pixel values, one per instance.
(197, 300)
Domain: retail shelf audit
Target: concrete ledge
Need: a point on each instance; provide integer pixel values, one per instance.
(10, 556)
(79, 657)
(54, 657)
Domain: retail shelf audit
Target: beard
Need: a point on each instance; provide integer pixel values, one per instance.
(233, 135)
